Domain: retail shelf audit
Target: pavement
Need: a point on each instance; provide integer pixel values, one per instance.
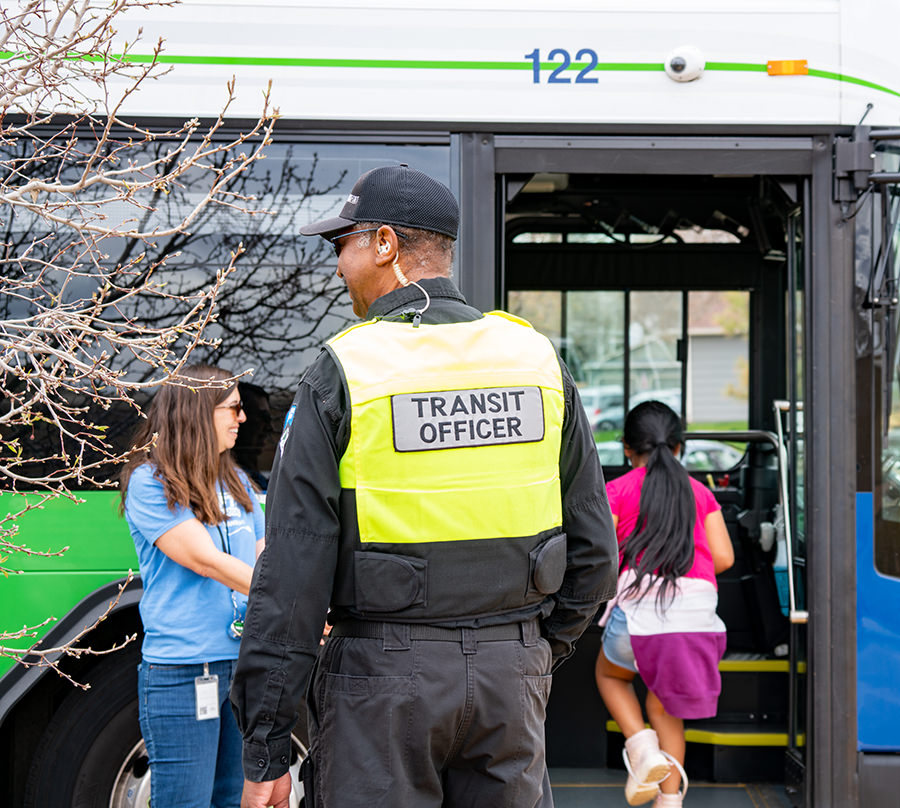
(593, 788)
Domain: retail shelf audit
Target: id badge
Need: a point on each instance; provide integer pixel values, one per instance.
(206, 689)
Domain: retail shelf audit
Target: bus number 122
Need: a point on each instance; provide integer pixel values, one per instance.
(564, 61)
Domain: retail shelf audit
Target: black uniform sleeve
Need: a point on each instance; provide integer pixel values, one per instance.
(292, 580)
(592, 561)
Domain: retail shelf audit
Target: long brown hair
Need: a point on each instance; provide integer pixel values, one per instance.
(185, 450)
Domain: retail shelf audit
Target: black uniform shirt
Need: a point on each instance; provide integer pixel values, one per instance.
(310, 522)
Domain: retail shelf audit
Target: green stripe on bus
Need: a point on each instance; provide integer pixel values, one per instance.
(274, 61)
(737, 67)
(441, 64)
(827, 74)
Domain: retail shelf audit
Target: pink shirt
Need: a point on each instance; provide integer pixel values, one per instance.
(625, 498)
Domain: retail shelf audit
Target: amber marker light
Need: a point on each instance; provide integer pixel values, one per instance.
(787, 67)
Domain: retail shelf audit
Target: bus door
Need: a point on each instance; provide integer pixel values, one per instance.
(790, 571)
(876, 216)
(675, 271)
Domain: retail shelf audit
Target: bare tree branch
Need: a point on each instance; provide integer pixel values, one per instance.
(83, 333)
(38, 657)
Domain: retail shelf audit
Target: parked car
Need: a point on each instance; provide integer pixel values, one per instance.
(710, 455)
(597, 401)
(610, 452)
(671, 396)
(610, 419)
(699, 455)
(613, 416)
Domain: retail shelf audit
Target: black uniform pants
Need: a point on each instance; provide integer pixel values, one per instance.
(397, 721)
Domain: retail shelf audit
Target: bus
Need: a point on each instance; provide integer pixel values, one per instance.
(696, 202)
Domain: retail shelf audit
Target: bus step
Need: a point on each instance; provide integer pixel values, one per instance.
(721, 752)
(754, 692)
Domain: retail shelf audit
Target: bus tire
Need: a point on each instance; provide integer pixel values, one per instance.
(92, 755)
(86, 742)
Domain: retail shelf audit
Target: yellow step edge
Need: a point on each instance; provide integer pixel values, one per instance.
(758, 666)
(714, 738)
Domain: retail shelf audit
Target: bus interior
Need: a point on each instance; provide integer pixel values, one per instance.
(689, 290)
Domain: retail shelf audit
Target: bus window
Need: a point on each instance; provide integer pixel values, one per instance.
(542, 309)
(283, 299)
(588, 330)
(887, 505)
(717, 376)
(887, 500)
(718, 360)
(596, 320)
(614, 361)
(654, 335)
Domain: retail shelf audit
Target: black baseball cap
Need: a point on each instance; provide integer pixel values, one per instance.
(397, 195)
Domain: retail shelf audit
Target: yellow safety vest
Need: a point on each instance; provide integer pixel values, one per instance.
(454, 431)
(453, 454)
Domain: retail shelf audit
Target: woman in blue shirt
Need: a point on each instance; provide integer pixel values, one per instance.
(198, 529)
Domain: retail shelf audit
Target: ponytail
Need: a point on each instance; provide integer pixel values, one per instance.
(662, 542)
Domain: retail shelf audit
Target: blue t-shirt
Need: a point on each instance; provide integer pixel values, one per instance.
(186, 616)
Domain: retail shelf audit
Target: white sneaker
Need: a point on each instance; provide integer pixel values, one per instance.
(647, 766)
(673, 800)
(668, 800)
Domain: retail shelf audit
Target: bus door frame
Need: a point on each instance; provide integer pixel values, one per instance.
(486, 157)
(878, 765)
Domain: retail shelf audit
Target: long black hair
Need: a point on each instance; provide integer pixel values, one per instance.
(662, 542)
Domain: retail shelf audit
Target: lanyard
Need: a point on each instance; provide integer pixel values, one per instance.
(225, 538)
(236, 627)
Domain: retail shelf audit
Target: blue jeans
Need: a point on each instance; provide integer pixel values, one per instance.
(617, 641)
(193, 764)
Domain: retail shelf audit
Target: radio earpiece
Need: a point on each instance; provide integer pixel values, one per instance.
(404, 281)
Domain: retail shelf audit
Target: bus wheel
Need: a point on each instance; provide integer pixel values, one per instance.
(92, 754)
(131, 786)
(89, 741)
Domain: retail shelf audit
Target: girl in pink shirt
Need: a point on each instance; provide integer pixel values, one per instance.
(663, 623)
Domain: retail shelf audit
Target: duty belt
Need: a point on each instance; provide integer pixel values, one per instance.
(374, 630)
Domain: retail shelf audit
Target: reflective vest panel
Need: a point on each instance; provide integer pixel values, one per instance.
(455, 429)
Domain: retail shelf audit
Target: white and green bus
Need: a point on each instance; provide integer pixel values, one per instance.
(697, 202)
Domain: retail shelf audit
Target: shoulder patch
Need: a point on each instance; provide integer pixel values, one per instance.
(288, 420)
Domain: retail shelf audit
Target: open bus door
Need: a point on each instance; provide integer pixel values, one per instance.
(594, 246)
(791, 569)
(876, 216)
(789, 424)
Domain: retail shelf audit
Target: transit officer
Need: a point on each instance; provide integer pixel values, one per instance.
(437, 485)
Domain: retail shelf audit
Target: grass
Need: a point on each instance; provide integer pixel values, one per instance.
(717, 426)
(695, 426)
